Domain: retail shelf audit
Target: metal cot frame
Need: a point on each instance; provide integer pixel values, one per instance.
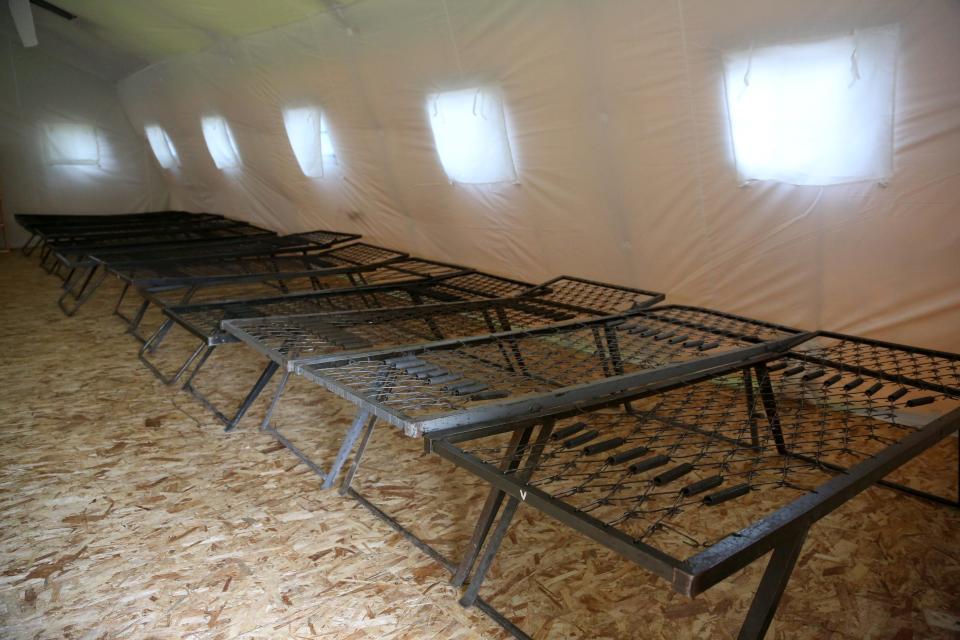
(39, 225)
(289, 341)
(155, 283)
(812, 377)
(195, 251)
(427, 282)
(70, 249)
(370, 381)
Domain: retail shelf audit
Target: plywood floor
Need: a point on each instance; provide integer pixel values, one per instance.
(126, 512)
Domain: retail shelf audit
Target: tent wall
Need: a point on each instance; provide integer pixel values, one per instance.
(38, 90)
(620, 133)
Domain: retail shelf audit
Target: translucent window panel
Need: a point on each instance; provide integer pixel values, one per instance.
(220, 142)
(304, 132)
(162, 146)
(326, 141)
(470, 133)
(814, 113)
(68, 143)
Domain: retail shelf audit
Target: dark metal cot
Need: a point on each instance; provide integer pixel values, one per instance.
(731, 463)
(89, 269)
(573, 416)
(439, 384)
(179, 282)
(294, 342)
(60, 248)
(414, 282)
(40, 224)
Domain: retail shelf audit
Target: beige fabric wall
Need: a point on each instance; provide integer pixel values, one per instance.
(38, 88)
(619, 129)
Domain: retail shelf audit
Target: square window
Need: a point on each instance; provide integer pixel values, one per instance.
(220, 142)
(163, 149)
(68, 143)
(470, 132)
(814, 113)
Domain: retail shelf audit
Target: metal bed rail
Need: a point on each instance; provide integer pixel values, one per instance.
(347, 261)
(437, 287)
(641, 347)
(74, 251)
(774, 444)
(81, 283)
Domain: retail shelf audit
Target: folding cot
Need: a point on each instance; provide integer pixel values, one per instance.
(40, 224)
(733, 462)
(416, 282)
(624, 427)
(196, 250)
(71, 244)
(296, 342)
(179, 282)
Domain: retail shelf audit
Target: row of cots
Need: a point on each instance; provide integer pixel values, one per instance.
(688, 440)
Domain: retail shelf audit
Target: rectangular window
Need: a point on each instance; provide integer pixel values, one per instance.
(162, 146)
(470, 132)
(68, 143)
(220, 142)
(814, 113)
(303, 125)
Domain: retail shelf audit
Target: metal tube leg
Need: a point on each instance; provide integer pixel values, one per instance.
(490, 508)
(187, 386)
(255, 392)
(348, 479)
(488, 554)
(771, 588)
(148, 347)
(89, 287)
(348, 441)
(134, 325)
(265, 425)
(524, 472)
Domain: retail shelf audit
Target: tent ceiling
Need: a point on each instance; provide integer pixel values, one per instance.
(136, 33)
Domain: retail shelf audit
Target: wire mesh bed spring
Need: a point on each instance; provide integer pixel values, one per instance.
(293, 339)
(494, 373)
(71, 253)
(464, 308)
(309, 267)
(42, 225)
(674, 479)
(420, 282)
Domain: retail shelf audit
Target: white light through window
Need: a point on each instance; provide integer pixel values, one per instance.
(326, 142)
(220, 142)
(470, 132)
(68, 143)
(162, 146)
(305, 135)
(815, 113)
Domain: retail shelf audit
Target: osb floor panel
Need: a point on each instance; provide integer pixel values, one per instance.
(126, 512)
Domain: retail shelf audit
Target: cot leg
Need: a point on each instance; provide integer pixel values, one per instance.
(362, 417)
(161, 333)
(255, 392)
(188, 386)
(523, 474)
(265, 425)
(30, 245)
(770, 407)
(134, 324)
(348, 479)
(490, 508)
(771, 588)
(473, 590)
(150, 346)
(88, 289)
